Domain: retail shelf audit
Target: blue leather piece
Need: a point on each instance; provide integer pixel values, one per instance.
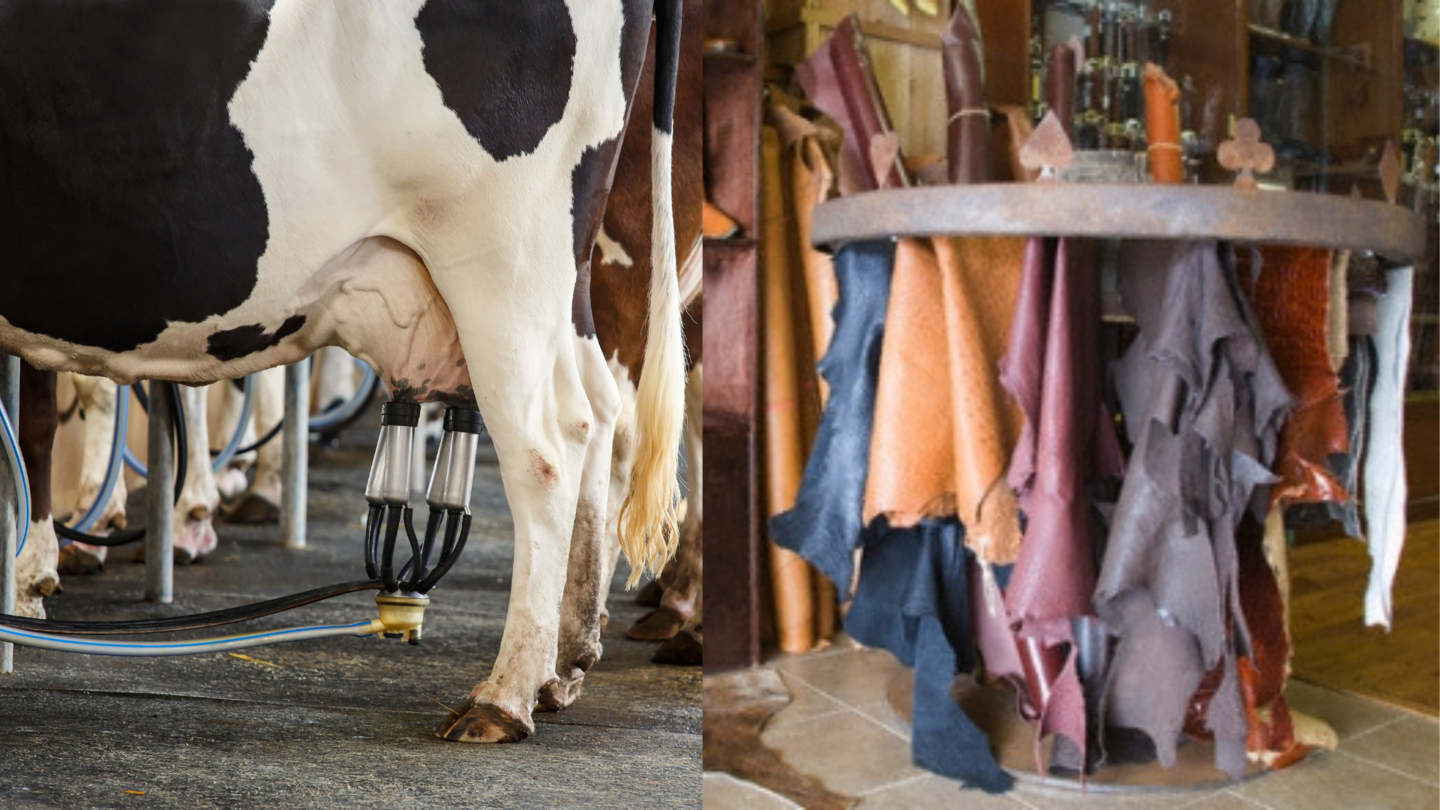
(913, 600)
(824, 526)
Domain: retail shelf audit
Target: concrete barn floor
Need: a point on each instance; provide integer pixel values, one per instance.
(344, 722)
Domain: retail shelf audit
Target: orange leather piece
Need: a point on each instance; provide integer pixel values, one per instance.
(716, 224)
(944, 428)
(1292, 301)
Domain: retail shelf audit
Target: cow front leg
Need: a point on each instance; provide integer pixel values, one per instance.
(35, 573)
(592, 559)
(200, 497)
(534, 405)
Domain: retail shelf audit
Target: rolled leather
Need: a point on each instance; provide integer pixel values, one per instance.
(784, 444)
(839, 80)
(1162, 126)
(811, 182)
(968, 125)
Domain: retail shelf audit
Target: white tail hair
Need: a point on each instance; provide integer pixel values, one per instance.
(648, 532)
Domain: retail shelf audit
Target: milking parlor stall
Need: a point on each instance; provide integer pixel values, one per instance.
(343, 403)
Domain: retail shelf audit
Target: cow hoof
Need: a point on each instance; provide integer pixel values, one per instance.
(657, 625)
(685, 649)
(553, 696)
(48, 585)
(482, 723)
(79, 558)
(649, 594)
(231, 483)
(253, 509)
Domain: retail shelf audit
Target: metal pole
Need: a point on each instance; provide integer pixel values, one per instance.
(160, 492)
(9, 524)
(295, 455)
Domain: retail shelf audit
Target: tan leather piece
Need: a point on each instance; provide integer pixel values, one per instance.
(785, 450)
(1007, 137)
(981, 284)
(944, 428)
(912, 464)
(1337, 336)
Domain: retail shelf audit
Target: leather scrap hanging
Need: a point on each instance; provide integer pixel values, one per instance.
(1203, 405)
(839, 80)
(824, 525)
(1290, 290)
(1068, 442)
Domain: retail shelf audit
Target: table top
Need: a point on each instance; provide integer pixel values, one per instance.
(1125, 212)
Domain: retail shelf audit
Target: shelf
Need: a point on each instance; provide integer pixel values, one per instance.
(1282, 38)
(1125, 212)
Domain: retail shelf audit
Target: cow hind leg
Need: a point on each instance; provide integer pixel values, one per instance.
(680, 600)
(96, 398)
(685, 595)
(588, 579)
(530, 394)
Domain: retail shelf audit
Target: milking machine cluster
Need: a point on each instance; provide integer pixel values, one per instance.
(403, 592)
(388, 493)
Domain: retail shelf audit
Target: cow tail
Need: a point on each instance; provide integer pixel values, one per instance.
(648, 531)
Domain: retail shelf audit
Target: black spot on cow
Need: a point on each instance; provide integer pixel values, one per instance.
(232, 344)
(129, 200)
(402, 390)
(591, 180)
(462, 397)
(504, 67)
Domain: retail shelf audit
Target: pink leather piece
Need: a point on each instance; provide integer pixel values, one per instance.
(1053, 370)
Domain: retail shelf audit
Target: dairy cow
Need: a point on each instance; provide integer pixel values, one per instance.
(222, 187)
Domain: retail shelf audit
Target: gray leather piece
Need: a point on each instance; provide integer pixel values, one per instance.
(1203, 405)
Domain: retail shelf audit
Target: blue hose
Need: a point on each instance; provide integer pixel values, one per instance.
(72, 644)
(17, 471)
(216, 464)
(112, 471)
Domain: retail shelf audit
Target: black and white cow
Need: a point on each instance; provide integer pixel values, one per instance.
(200, 190)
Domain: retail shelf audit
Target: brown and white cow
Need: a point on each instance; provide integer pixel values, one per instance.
(224, 187)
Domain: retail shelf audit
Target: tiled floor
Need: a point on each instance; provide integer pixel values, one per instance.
(840, 729)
